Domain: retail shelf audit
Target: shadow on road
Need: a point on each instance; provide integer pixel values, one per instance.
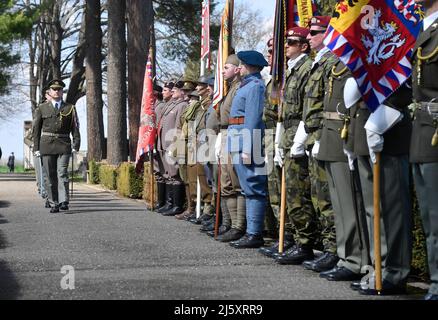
(9, 287)
(4, 204)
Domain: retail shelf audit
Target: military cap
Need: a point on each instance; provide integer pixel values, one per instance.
(194, 94)
(253, 58)
(203, 80)
(299, 32)
(321, 21)
(189, 86)
(179, 84)
(56, 84)
(210, 81)
(169, 85)
(232, 59)
(158, 88)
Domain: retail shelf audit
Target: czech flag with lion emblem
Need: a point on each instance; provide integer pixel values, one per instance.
(374, 38)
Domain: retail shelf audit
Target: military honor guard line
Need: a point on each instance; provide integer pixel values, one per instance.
(298, 168)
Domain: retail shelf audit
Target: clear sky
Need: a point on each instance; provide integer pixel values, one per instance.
(11, 131)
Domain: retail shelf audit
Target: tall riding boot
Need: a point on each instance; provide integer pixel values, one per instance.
(178, 200)
(161, 190)
(169, 199)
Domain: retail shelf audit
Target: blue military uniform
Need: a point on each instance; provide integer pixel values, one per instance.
(245, 135)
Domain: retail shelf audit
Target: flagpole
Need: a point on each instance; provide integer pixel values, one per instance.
(377, 246)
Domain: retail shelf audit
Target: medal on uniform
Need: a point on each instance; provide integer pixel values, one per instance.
(346, 118)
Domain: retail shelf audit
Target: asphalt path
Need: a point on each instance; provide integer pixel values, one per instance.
(115, 249)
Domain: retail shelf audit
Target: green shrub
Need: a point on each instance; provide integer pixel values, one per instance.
(129, 184)
(93, 172)
(419, 266)
(108, 176)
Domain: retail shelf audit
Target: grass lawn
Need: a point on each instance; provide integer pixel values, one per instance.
(18, 169)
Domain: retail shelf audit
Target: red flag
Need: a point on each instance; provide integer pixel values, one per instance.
(205, 38)
(147, 130)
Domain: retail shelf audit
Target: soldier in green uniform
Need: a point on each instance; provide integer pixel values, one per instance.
(233, 202)
(195, 118)
(309, 132)
(300, 213)
(270, 118)
(387, 131)
(424, 142)
(343, 182)
(53, 123)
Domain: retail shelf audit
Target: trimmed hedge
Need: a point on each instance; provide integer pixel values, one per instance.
(93, 172)
(129, 184)
(108, 176)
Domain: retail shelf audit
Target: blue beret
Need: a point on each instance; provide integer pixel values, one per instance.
(253, 58)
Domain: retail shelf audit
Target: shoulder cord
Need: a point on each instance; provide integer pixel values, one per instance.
(421, 59)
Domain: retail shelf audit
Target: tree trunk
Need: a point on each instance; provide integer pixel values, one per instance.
(55, 40)
(116, 143)
(93, 74)
(75, 88)
(139, 21)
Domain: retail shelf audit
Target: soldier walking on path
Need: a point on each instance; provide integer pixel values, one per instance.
(53, 123)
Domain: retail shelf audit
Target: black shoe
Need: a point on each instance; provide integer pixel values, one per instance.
(201, 218)
(206, 222)
(275, 255)
(324, 262)
(47, 204)
(192, 216)
(64, 206)
(207, 228)
(340, 274)
(54, 209)
(248, 241)
(269, 251)
(357, 284)
(296, 256)
(169, 199)
(161, 195)
(387, 289)
(230, 235)
(222, 229)
(178, 194)
(431, 297)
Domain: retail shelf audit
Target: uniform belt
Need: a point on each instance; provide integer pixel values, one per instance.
(331, 115)
(289, 123)
(224, 127)
(429, 106)
(57, 135)
(237, 120)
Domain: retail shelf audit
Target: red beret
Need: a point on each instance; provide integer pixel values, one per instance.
(297, 32)
(322, 21)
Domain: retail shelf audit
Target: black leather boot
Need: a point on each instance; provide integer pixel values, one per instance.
(169, 199)
(161, 190)
(178, 201)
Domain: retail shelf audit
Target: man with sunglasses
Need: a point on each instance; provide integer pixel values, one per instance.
(308, 133)
(54, 121)
(301, 225)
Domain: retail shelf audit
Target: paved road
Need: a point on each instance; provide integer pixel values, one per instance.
(121, 251)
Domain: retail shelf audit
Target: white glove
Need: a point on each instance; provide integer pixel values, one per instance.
(279, 132)
(73, 150)
(383, 119)
(155, 151)
(375, 144)
(299, 148)
(315, 149)
(37, 154)
(218, 146)
(351, 157)
(279, 156)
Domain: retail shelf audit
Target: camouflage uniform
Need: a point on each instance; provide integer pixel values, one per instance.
(316, 88)
(301, 215)
(270, 118)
